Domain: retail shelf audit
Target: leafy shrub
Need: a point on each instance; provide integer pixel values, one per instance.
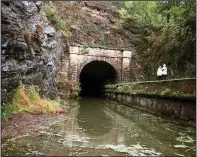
(52, 14)
(85, 49)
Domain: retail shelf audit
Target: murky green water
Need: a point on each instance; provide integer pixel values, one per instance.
(99, 127)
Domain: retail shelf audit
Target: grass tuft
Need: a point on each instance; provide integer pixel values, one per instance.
(28, 100)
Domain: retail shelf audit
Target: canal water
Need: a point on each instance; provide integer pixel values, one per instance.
(98, 127)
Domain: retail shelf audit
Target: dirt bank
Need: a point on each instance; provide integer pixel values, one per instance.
(25, 124)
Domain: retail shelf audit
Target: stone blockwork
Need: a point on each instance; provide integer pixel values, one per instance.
(119, 59)
(174, 98)
(174, 89)
(179, 110)
(37, 64)
(73, 64)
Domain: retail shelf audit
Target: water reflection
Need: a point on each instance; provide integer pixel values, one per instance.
(151, 131)
(92, 118)
(98, 127)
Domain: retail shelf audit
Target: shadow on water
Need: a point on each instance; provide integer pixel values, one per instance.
(97, 127)
(92, 117)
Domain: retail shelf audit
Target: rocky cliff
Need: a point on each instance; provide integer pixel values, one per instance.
(97, 24)
(37, 64)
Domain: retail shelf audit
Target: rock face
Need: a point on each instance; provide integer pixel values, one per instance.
(37, 64)
(97, 23)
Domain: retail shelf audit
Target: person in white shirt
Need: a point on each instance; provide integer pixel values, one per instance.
(159, 73)
(164, 72)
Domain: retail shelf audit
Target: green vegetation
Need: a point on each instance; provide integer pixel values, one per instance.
(165, 91)
(160, 88)
(52, 14)
(28, 100)
(85, 49)
(76, 93)
(169, 34)
(75, 89)
(162, 32)
(102, 45)
(145, 12)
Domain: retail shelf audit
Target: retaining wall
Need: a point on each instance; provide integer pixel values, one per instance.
(175, 99)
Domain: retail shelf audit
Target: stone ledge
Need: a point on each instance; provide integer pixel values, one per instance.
(183, 89)
(191, 98)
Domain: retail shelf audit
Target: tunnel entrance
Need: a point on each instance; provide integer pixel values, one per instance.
(94, 76)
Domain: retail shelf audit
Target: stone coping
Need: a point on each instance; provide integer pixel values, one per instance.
(182, 89)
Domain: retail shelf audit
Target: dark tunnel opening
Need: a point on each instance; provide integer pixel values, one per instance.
(94, 76)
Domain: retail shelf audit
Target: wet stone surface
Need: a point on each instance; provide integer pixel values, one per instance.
(99, 127)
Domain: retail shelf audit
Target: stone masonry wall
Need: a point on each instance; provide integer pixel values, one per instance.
(74, 62)
(172, 98)
(119, 59)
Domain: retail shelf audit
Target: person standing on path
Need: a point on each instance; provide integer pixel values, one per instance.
(164, 72)
(159, 73)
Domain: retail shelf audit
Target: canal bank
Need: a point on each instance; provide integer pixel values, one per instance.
(174, 99)
(98, 127)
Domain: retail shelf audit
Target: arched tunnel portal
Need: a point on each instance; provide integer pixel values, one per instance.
(94, 76)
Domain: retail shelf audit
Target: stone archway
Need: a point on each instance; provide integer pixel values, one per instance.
(119, 60)
(94, 75)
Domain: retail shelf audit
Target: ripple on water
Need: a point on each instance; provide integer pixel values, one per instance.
(134, 150)
(184, 138)
(76, 138)
(116, 131)
(180, 146)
